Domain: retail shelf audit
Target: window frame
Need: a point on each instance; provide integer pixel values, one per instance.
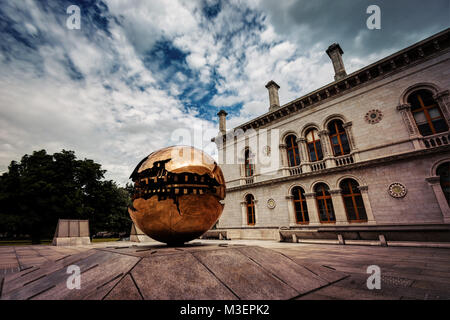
(250, 205)
(353, 196)
(338, 134)
(425, 110)
(324, 197)
(316, 144)
(249, 169)
(294, 148)
(303, 205)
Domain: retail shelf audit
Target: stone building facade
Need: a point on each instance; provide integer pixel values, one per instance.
(365, 157)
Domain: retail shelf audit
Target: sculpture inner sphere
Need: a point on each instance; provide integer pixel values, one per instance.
(177, 194)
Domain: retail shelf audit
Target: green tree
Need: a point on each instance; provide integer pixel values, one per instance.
(42, 188)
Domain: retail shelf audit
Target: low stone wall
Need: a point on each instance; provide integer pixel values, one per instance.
(373, 235)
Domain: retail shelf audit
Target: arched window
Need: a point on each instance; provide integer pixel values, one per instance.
(248, 163)
(301, 210)
(314, 145)
(338, 138)
(353, 201)
(324, 203)
(292, 151)
(250, 200)
(443, 171)
(426, 112)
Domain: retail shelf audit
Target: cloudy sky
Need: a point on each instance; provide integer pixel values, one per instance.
(138, 74)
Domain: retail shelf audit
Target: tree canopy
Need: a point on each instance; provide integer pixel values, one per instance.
(42, 188)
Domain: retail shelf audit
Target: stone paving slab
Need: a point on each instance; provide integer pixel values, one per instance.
(407, 273)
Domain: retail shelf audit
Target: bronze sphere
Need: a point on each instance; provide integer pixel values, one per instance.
(177, 193)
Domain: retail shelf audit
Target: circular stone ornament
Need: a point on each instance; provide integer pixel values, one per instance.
(397, 190)
(373, 116)
(266, 150)
(271, 204)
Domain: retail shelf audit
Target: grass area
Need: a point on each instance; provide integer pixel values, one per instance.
(96, 240)
(47, 241)
(22, 242)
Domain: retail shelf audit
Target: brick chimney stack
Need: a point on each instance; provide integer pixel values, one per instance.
(222, 121)
(273, 95)
(335, 53)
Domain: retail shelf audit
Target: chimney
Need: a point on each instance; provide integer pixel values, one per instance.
(335, 53)
(222, 121)
(273, 95)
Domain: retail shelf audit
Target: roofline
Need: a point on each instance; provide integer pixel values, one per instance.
(413, 49)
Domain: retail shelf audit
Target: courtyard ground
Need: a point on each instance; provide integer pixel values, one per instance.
(406, 273)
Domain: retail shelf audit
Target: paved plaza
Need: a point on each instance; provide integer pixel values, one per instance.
(406, 273)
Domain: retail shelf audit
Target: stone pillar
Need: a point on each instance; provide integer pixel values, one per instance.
(313, 213)
(442, 98)
(326, 149)
(408, 119)
(365, 196)
(284, 160)
(335, 53)
(257, 222)
(244, 213)
(351, 140)
(435, 183)
(291, 210)
(222, 121)
(304, 158)
(338, 205)
(273, 95)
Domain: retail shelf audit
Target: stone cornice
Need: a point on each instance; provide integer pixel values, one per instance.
(412, 55)
(357, 165)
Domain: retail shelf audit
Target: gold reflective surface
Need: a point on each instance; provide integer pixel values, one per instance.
(177, 194)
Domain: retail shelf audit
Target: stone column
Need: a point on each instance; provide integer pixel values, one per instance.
(244, 213)
(313, 213)
(291, 210)
(338, 205)
(304, 159)
(442, 98)
(365, 196)
(257, 222)
(351, 140)
(284, 160)
(326, 149)
(435, 183)
(408, 119)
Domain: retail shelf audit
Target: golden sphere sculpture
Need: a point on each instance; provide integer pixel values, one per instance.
(177, 193)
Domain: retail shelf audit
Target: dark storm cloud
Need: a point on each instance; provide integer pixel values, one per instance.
(403, 22)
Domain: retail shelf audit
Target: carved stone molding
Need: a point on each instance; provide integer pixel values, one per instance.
(347, 124)
(433, 180)
(405, 106)
(397, 190)
(336, 192)
(310, 195)
(373, 116)
(363, 188)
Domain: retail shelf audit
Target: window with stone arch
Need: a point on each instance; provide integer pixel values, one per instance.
(314, 146)
(338, 138)
(300, 207)
(250, 202)
(353, 201)
(249, 166)
(324, 203)
(427, 114)
(443, 171)
(292, 151)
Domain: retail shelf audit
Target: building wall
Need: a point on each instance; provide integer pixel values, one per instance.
(388, 137)
(417, 207)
